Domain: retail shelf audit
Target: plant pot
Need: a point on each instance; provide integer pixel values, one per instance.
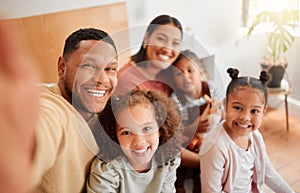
(276, 74)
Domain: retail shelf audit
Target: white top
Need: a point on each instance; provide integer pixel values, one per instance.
(118, 176)
(246, 158)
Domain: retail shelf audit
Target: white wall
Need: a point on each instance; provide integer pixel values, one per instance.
(24, 8)
(214, 24)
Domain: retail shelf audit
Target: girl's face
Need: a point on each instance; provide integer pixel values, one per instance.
(244, 111)
(188, 78)
(138, 135)
(163, 46)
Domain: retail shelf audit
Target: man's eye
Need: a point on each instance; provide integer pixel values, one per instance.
(91, 66)
(111, 69)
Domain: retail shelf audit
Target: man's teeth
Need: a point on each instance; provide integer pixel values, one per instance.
(98, 93)
(140, 150)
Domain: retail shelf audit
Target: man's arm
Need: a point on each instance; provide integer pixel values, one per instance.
(18, 112)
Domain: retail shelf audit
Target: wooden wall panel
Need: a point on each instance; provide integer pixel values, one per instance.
(44, 35)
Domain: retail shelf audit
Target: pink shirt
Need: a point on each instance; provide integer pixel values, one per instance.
(129, 77)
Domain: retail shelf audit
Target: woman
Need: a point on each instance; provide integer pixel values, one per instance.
(160, 48)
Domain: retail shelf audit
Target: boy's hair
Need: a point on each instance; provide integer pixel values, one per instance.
(246, 81)
(140, 56)
(166, 115)
(72, 42)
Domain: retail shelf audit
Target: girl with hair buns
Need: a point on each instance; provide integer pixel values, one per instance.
(233, 155)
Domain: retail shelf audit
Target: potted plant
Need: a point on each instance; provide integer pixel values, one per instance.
(283, 26)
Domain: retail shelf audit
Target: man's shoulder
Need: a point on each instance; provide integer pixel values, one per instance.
(49, 88)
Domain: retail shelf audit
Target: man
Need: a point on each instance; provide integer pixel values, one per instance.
(63, 142)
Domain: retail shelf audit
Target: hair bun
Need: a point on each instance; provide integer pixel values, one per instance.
(264, 76)
(233, 73)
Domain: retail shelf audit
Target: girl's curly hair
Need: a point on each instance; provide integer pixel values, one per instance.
(167, 117)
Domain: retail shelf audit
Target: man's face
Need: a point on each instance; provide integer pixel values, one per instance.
(88, 76)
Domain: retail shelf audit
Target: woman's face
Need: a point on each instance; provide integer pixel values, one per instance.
(163, 46)
(138, 135)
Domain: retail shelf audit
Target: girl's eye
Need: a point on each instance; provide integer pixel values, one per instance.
(147, 129)
(126, 133)
(237, 108)
(190, 70)
(255, 111)
(178, 73)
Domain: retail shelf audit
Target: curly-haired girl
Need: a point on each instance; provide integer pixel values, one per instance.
(233, 155)
(141, 144)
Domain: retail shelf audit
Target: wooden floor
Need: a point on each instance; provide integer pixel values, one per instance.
(283, 147)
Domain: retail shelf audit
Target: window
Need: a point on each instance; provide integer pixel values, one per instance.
(251, 8)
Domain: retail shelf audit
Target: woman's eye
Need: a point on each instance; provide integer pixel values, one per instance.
(160, 38)
(176, 44)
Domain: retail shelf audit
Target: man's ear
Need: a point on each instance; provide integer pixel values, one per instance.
(61, 66)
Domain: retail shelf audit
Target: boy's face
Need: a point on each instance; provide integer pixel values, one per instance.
(138, 135)
(88, 76)
(188, 77)
(245, 108)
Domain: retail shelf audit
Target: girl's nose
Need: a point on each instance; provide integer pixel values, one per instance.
(138, 140)
(244, 115)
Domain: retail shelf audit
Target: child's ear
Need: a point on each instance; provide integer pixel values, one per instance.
(266, 108)
(225, 105)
